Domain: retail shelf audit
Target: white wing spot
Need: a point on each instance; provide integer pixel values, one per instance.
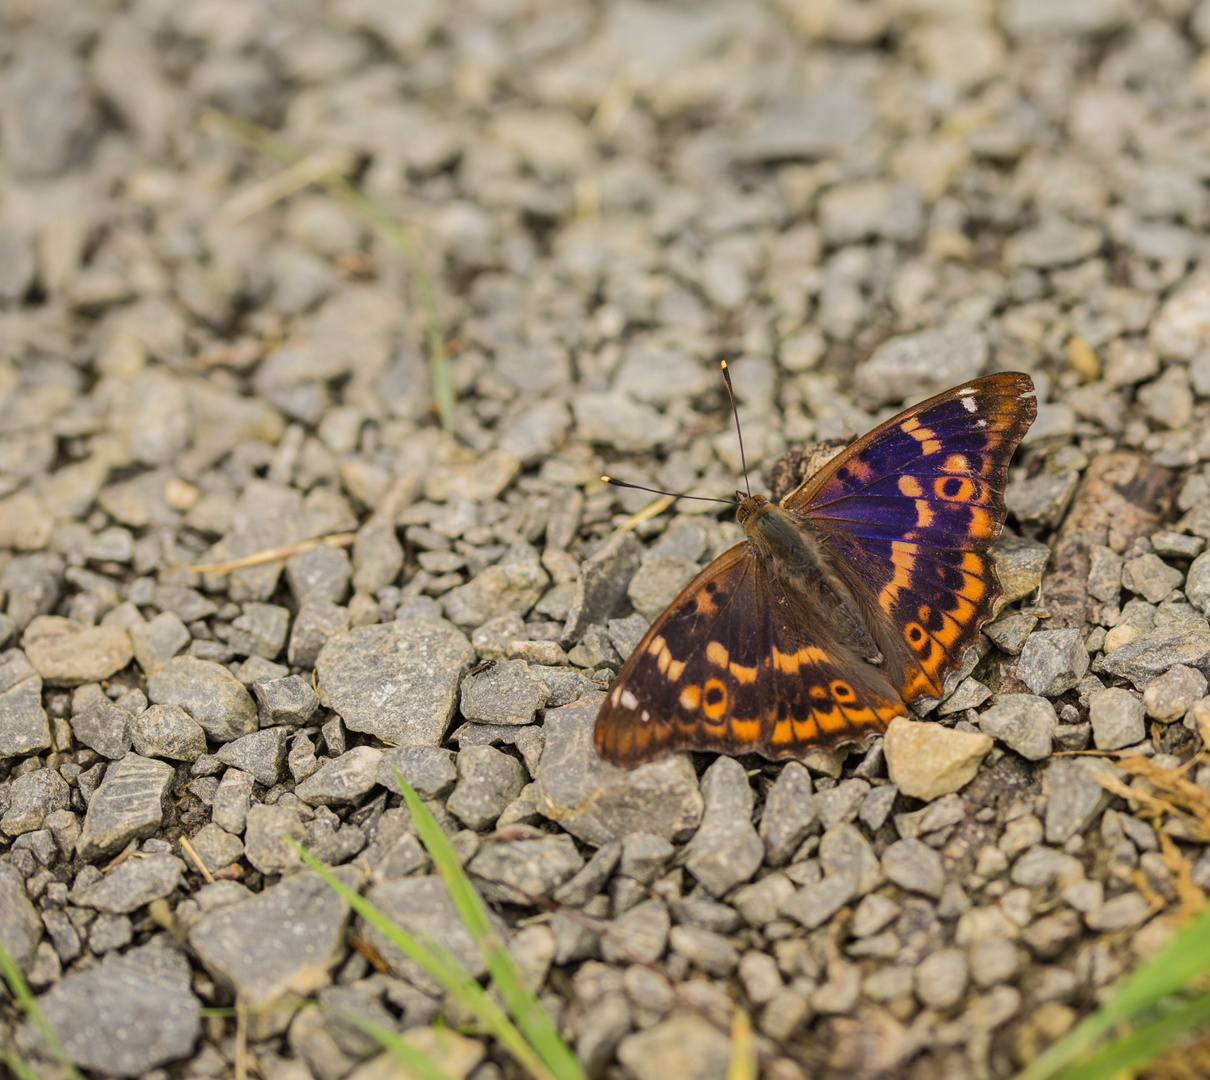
(646, 716)
(968, 403)
(629, 701)
(980, 423)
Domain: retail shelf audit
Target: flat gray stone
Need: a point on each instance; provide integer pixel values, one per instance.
(288, 701)
(1118, 718)
(34, 796)
(269, 835)
(917, 365)
(261, 753)
(167, 731)
(24, 725)
(845, 852)
(813, 905)
(640, 935)
(602, 583)
(597, 802)
(488, 780)
(156, 642)
(209, 693)
(396, 681)
(279, 943)
(726, 850)
(127, 806)
(344, 779)
(20, 924)
(1169, 696)
(1052, 661)
(506, 693)
(134, 882)
(100, 724)
(789, 813)
(1154, 653)
(914, 866)
(512, 584)
(430, 770)
(517, 871)
(90, 1013)
(1074, 799)
(1024, 723)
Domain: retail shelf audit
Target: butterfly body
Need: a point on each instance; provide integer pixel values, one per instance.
(855, 595)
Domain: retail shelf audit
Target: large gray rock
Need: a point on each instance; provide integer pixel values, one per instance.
(209, 693)
(397, 681)
(598, 802)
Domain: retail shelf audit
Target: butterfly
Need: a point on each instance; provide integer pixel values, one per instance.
(852, 597)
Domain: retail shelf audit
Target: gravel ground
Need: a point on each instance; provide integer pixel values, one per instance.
(202, 358)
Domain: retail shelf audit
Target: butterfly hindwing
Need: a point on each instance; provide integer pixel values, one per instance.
(732, 666)
(912, 509)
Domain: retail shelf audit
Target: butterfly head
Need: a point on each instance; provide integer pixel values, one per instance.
(750, 508)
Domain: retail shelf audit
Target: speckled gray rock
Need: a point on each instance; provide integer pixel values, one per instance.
(134, 882)
(20, 926)
(726, 850)
(317, 622)
(344, 779)
(1074, 799)
(789, 813)
(103, 726)
(1197, 583)
(597, 802)
(506, 693)
(287, 701)
(603, 581)
(813, 905)
(262, 754)
(657, 582)
(90, 1013)
(65, 653)
(1150, 577)
(1022, 722)
(684, 1045)
(33, 796)
(216, 847)
(1151, 654)
(209, 693)
(232, 800)
(156, 642)
(396, 681)
(276, 944)
(845, 852)
(640, 935)
(940, 978)
(512, 584)
(488, 781)
(1117, 718)
(1169, 696)
(429, 769)
(24, 726)
(1052, 661)
(913, 865)
(127, 806)
(917, 365)
(422, 907)
(517, 871)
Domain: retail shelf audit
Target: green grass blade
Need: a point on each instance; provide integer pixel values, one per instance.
(1140, 1046)
(1171, 969)
(24, 996)
(532, 1018)
(413, 1057)
(442, 967)
(264, 141)
(18, 1067)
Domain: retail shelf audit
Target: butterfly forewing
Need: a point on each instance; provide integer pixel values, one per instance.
(913, 507)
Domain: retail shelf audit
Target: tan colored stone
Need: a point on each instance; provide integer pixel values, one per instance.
(67, 653)
(926, 760)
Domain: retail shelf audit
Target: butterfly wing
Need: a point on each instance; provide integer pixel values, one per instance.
(912, 508)
(733, 665)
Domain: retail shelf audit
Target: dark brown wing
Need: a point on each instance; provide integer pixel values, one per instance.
(736, 665)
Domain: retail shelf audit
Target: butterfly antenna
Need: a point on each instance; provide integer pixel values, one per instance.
(657, 491)
(735, 412)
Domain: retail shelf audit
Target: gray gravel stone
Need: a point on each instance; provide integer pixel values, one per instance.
(639, 936)
(166, 731)
(590, 878)
(429, 769)
(287, 701)
(643, 856)
(685, 1044)
(1052, 661)
(704, 949)
(316, 623)
(603, 581)
(917, 365)
(268, 836)
(1074, 799)
(488, 781)
(1151, 654)
(232, 800)
(788, 815)
(280, 942)
(512, 584)
(209, 693)
(657, 582)
(1150, 577)
(517, 871)
(1124, 912)
(726, 850)
(844, 851)
(813, 905)
(597, 802)
(33, 796)
(127, 806)
(20, 927)
(134, 882)
(344, 779)
(216, 847)
(940, 978)
(157, 641)
(1022, 722)
(506, 693)
(397, 681)
(24, 726)
(1169, 696)
(913, 865)
(262, 754)
(90, 1012)
(103, 726)
(1117, 719)
(65, 653)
